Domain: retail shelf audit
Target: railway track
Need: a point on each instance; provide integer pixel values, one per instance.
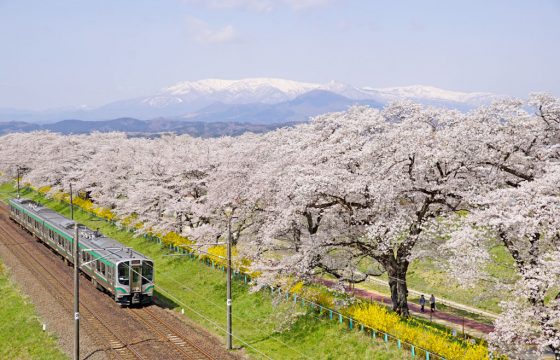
(130, 333)
(167, 332)
(103, 332)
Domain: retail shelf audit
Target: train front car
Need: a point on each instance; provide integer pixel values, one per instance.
(135, 281)
(112, 267)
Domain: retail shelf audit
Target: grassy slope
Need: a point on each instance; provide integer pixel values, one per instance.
(424, 275)
(201, 292)
(21, 336)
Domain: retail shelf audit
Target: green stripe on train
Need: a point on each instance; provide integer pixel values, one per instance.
(61, 233)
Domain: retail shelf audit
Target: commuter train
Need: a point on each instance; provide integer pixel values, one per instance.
(122, 272)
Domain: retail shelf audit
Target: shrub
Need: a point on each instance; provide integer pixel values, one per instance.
(438, 342)
(172, 238)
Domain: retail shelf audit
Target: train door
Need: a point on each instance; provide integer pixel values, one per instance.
(136, 283)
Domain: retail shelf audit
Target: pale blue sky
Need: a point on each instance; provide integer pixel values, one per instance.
(70, 52)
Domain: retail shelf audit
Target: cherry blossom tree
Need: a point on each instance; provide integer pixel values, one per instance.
(517, 202)
(350, 194)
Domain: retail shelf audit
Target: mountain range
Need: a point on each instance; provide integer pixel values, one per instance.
(263, 101)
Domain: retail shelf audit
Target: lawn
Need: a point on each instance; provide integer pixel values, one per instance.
(21, 334)
(260, 325)
(427, 277)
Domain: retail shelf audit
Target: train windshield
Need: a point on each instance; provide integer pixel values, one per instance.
(123, 273)
(147, 272)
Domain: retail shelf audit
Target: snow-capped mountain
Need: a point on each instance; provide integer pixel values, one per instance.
(425, 94)
(196, 94)
(268, 90)
(272, 91)
(258, 97)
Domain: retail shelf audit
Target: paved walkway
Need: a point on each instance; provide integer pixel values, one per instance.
(443, 301)
(415, 308)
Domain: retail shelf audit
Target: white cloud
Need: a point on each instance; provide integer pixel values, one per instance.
(203, 33)
(253, 5)
(259, 5)
(306, 4)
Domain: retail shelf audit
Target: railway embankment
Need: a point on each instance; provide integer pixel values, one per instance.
(21, 334)
(108, 330)
(262, 328)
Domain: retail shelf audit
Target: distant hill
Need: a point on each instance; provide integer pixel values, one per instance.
(149, 128)
(300, 109)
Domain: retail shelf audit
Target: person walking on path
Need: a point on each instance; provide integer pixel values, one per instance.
(432, 303)
(422, 302)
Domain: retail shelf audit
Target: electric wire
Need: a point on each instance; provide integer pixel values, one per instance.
(221, 307)
(218, 326)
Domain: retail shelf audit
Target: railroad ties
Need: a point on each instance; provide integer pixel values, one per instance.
(109, 333)
(101, 332)
(166, 332)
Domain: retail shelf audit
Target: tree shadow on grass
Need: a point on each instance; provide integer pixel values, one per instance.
(163, 301)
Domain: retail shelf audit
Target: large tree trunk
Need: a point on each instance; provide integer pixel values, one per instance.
(551, 333)
(396, 270)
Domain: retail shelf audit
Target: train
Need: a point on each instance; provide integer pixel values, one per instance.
(125, 274)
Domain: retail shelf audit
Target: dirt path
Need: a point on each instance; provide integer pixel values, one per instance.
(473, 325)
(108, 330)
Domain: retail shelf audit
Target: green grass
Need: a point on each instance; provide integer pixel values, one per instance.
(21, 334)
(424, 275)
(282, 331)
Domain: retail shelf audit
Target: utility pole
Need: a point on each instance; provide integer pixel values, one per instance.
(76, 284)
(228, 279)
(228, 302)
(17, 171)
(71, 204)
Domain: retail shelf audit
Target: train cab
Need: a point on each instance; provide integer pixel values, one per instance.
(135, 282)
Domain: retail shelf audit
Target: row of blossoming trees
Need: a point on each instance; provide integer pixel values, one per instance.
(380, 187)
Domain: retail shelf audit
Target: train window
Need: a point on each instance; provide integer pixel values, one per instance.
(102, 268)
(123, 273)
(147, 272)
